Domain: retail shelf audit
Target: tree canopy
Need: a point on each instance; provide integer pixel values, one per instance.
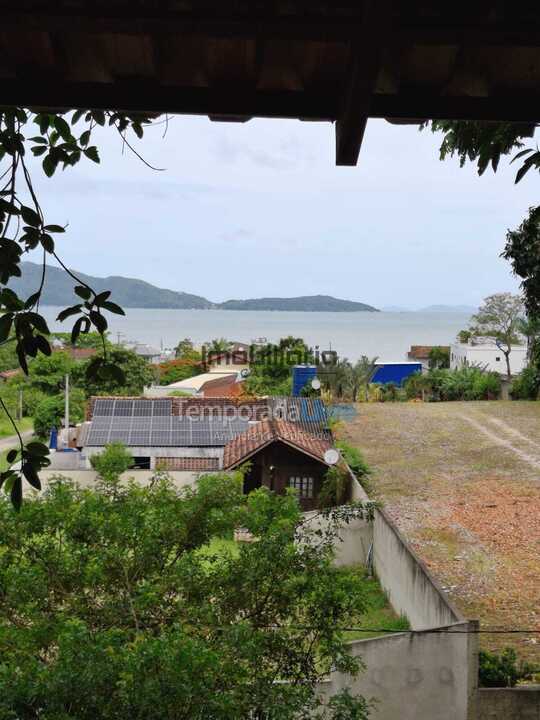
(123, 602)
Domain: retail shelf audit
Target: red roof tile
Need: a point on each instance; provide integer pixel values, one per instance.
(269, 431)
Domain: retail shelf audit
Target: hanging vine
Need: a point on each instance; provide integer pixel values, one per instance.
(61, 140)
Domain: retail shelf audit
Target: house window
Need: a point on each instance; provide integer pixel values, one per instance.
(304, 485)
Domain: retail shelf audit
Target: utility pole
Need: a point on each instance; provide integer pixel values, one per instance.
(66, 413)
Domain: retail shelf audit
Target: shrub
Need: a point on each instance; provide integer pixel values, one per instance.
(355, 460)
(503, 670)
(49, 412)
(112, 462)
(335, 489)
(526, 385)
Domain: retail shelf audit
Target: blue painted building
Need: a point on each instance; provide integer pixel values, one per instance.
(395, 372)
(302, 375)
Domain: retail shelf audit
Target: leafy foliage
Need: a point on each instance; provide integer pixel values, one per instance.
(522, 249)
(112, 462)
(526, 386)
(54, 137)
(439, 357)
(482, 142)
(271, 369)
(49, 412)
(124, 373)
(112, 606)
(176, 370)
(500, 317)
(503, 670)
(467, 383)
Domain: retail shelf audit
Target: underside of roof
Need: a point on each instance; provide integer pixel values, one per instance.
(335, 60)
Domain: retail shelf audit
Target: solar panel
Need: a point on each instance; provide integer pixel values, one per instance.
(151, 423)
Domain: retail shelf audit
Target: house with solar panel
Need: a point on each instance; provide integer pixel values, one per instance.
(286, 441)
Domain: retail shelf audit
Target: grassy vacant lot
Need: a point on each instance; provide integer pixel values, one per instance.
(6, 428)
(462, 481)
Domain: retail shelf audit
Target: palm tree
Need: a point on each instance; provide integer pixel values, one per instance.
(218, 346)
(362, 373)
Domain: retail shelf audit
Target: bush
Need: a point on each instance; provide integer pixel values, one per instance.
(50, 412)
(354, 459)
(527, 385)
(335, 489)
(503, 670)
(112, 462)
(467, 383)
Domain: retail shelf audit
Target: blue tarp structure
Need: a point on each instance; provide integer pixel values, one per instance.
(395, 372)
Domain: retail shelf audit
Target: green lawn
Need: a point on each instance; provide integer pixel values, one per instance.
(378, 615)
(6, 428)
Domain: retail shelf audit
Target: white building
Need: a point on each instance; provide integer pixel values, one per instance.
(484, 353)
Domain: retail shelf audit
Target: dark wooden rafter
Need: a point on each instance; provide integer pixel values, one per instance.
(364, 64)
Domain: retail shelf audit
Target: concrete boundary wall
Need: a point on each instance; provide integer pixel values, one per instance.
(519, 703)
(420, 676)
(411, 589)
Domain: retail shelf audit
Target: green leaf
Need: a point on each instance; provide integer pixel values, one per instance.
(67, 312)
(99, 321)
(47, 243)
(62, 127)
(82, 291)
(16, 493)
(29, 472)
(54, 228)
(37, 448)
(40, 140)
(49, 165)
(77, 115)
(43, 345)
(30, 216)
(92, 153)
(39, 322)
(102, 296)
(112, 307)
(39, 150)
(76, 331)
(85, 137)
(43, 121)
(6, 322)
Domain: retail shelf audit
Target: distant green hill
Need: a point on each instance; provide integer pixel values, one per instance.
(127, 292)
(132, 293)
(306, 303)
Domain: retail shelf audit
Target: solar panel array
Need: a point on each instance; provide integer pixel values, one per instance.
(140, 423)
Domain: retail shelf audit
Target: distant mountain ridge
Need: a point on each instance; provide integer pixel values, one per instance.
(134, 293)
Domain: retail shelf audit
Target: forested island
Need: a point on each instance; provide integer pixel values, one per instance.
(134, 293)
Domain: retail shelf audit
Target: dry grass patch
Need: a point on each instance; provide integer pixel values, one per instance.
(462, 481)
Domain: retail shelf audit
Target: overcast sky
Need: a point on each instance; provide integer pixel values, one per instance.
(260, 209)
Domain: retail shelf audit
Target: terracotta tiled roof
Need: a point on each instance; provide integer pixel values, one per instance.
(226, 386)
(269, 431)
(421, 352)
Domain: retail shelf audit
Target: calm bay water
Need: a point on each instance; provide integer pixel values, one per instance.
(386, 335)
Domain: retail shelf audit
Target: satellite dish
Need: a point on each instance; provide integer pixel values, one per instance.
(331, 456)
(316, 384)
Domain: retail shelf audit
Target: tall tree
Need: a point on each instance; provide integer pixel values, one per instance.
(500, 316)
(118, 603)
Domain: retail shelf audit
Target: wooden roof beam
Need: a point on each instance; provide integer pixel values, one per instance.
(144, 96)
(366, 51)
